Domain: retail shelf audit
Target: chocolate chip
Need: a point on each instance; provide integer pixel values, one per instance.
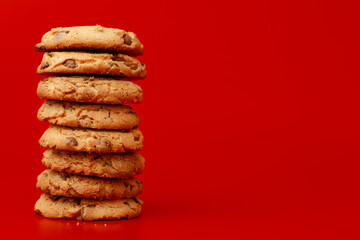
(103, 144)
(126, 203)
(142, 64)
(126, 184)
(136, 200)
(44, 65)
(113, 64)
(60, 34)
(108, 163)
(76, 200)
(118, 58)
(70, 63)
(127, 39)
(136, 138)
(133, 67)
(64, 176)
(40, 47)
(71, 142)
(131, 187)
(38, 212)
(55, 198)
(56, 152)
(130, 112)
(45, 174)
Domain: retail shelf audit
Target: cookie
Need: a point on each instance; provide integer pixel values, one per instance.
(108, 165)
(118, 65)
(70, 185)
(87, 209)
(90, 89)
(88, 115)
(89, 38)
(91, 140)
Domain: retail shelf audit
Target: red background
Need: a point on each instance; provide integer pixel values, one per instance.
(250, 116)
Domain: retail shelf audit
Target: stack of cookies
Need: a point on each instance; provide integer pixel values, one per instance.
(93, 138)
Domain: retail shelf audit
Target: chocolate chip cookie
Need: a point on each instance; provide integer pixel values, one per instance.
(90, 38)
(88, 115)
(109, 165)
(118, 65)
(91, 140)
(89, 89)
(70, 185)
(87, 209)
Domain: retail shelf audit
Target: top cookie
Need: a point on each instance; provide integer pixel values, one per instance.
(91, 38)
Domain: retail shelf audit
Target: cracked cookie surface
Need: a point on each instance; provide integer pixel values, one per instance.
(89, 89)
(91, 38)
(115, 165)
(87, 209)
(91, 140)
(70, 185)
(88, 115)
(118, 65)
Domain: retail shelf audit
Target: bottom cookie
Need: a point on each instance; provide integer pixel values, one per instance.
(87, 209)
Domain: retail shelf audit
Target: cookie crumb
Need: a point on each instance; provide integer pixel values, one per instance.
(105, 225)
(77, 224)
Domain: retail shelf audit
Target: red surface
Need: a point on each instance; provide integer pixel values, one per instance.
(250, 116)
